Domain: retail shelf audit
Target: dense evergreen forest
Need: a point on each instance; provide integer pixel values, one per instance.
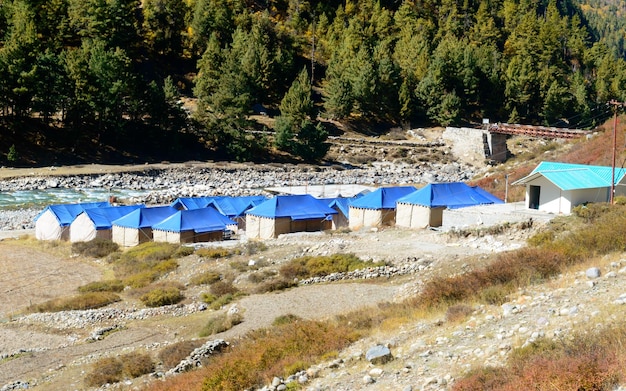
(115, 71)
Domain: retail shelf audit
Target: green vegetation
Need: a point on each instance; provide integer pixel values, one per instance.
(97, 248)
(102, 286)
(310, 266)
(144, 264)
(592, 361)
(213, 252)
(161, 296)
(220, 323)
(114, 369)
(205, 278)
(114, 73)
(84, 301)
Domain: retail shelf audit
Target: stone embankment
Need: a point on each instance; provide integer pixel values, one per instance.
(166, 185)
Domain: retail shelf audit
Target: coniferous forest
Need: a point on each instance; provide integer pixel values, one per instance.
(116, 72)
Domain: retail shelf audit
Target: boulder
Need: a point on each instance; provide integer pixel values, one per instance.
(378, 354)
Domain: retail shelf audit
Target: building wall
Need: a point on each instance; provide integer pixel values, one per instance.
(476, 144)
(554, 200)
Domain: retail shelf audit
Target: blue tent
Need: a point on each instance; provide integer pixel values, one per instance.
(296, 207)
(189, 203)
(449, 195)
(54, 221)
(66, 213)
(145, 217)
(235, 206)
(196, 220)
(103, 218)
(382, 198)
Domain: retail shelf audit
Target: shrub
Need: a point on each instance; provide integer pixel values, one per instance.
(85, 301)
(102, 286)
(213, 253)
(183, 251)
(173, 354)
(97, 248)
(285, 319)
(257, 277)
(12, 155)
(162, 296)
(140, 280)
(309, 266)
(252, 247)
(105, 371)
(217, 302)
(276, 284)
(222, 288)
(205, 278)
(137, 364)
(112, 369)
(220, 323)
(495, 295)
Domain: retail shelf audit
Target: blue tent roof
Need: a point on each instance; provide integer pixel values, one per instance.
(102, 218)
(383, 198)
(235, 206)
(66, 213)
(297, 207)
(189, 203)
(342, 203)
(449, 195)
(197, 220)
(568, 176)
(145, 217)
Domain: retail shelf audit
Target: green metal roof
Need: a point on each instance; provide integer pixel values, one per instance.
(568, 176)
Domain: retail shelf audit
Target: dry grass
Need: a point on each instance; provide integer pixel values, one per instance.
(85, 301)
(316, 266)
(173, 354)
(114, 369)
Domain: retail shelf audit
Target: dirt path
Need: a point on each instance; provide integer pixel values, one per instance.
(29, 276)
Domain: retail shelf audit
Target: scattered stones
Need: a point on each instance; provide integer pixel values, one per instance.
(197, 356)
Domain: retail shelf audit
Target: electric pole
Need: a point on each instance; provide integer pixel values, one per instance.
(615, 105)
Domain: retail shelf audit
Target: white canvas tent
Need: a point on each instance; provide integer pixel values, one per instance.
(97, 223)
(53, 223)
(136, 227)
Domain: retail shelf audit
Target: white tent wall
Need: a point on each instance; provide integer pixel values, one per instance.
(47, 227)
(130, 237)
(339, 221)
(260, 227)
(361, 217)
(82, 229)
(186, 236)
(166, 236)
(418, 216)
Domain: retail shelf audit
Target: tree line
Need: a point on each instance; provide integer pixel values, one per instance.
(109, 67)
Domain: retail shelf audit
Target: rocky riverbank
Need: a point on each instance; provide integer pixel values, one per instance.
(190, 180)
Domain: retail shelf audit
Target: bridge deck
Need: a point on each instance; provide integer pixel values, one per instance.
(537, 131)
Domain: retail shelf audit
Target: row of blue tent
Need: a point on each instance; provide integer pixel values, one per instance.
(203, 214)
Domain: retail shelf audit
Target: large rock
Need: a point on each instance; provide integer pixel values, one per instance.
(378, 354)
(593, 272)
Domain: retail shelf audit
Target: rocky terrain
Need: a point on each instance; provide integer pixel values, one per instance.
(54, 351)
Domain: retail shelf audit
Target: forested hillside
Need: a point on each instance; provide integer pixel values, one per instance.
(113, 72)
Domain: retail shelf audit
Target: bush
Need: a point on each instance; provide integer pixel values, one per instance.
(85, 301)
(213, 253)
(205, 278)
(183, 251)
(220, 323)
(113, 369)
(137, 364)
(97, 248)
(173, 354)
(105, 371)
(222, 288)
(276, 284)
(285, 319)
(252, 247)
(309, 266)
(217, 302)
(257, 277)
(162, 296)
(102, 286)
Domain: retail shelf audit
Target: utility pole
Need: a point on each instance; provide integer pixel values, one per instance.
(615, 105)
